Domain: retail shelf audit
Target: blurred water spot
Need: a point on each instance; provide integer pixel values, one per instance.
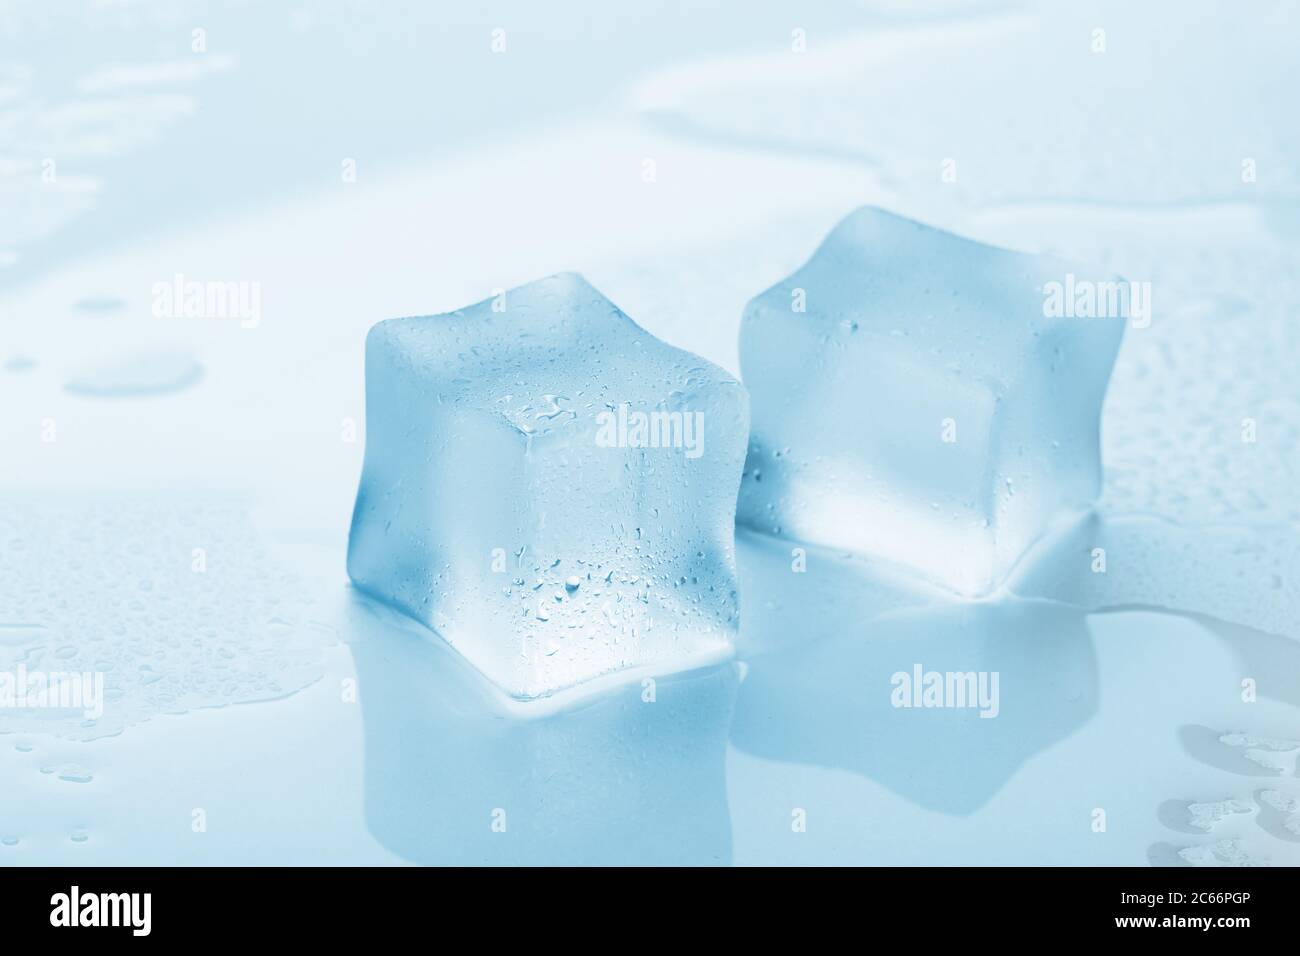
(100, 303)
(70, 773)
(148, 374)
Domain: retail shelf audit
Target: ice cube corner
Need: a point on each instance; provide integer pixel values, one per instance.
(550, 488)
(916, 398)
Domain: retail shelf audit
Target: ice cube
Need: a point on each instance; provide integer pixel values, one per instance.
(927, 399)
(550, 488)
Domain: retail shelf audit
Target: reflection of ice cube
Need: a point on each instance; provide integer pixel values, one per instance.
(550, 487)
(918, 396)
(633, 775)
(828, 697)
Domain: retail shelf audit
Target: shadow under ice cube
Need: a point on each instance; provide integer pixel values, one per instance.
(550, 488)
(925, 398)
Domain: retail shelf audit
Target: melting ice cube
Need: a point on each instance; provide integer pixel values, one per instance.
(550, 487)
(925, 398)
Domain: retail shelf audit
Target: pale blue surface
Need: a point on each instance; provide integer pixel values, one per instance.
(311, 724)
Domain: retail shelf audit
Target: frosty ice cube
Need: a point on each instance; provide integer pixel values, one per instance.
(927, 399)
(550, 488)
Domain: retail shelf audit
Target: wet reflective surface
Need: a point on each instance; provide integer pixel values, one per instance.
(180, 526)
